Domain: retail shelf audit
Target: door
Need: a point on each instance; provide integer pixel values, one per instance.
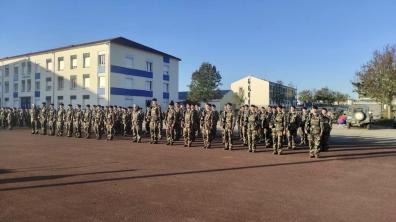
(26, 102)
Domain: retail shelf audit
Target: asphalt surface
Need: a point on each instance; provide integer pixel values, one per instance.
(45, 178)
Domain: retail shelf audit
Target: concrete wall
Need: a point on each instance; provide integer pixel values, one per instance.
(259, 94)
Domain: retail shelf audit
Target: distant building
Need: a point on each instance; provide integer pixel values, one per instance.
(226, 96)
(262, 92)
(114, 71)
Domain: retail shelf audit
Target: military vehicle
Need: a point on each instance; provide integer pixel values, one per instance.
(359, 116)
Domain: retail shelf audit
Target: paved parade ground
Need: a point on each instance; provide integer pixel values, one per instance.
(45, 178)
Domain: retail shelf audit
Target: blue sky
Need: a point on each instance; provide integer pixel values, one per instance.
(310, 43)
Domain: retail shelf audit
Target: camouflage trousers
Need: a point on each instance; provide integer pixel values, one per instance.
(291, 138)
(110, 131)
(170, 133)
(245, 135)
(265, 135)
(303, 135)
(87, 129)
(77, 129)
(154, 131)
(324, 141)
(207, 137)
(187, 135)
(69, 128)
(136, 132)
(228, 131)
(34, 124)
(98, 130)
(51, 128)
(59, 128)
(277, 140)
(314, 144)
(252, 136)
(43, 124)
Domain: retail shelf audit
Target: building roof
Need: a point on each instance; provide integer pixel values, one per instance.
(118, 40)
(262, 79)
(184, 94)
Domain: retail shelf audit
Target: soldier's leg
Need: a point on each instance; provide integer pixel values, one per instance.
(280, 141)
(293, 139)
(185, 134)
(289, 135)
(317, 145)
(254, 140)
(189, 136)
(311, 145)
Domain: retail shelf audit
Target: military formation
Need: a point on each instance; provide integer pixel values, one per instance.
(272, 127)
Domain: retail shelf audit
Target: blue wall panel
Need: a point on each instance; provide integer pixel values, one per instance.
(131, 72)
(130, 92)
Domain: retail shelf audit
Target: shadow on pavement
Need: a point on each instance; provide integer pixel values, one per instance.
(313, 161)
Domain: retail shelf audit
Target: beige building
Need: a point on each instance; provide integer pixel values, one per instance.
(114, 71)
(262, 92)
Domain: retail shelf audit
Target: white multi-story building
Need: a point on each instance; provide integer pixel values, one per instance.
(113, 71)
(262, 92)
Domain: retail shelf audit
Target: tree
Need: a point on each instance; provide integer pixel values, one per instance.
(205, 84)
(324, 95)
(377, 78)
(340, 97)
(306, 96)
(239, 97)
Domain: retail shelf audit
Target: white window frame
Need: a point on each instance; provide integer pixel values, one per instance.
(85, 81)
(149, 85)
(73, 85)
(73, 62)
(101, 84)
(86, 60)
(61, 63)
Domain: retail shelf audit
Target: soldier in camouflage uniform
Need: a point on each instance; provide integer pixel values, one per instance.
(196, 116)
(264, 127)
(125, 116)
(222, 123)
(314, 127)
(87, 120)
(327, 126)
(170, 120)
(278, 130)
(137, 120)
(99, 119)
(207, 126)
(239, 122)
(293, 122)
(77, 120)
(303, 135)
(69, 120)
(146, 118)
(216, 117)
(154, 118)
(253, 123)
(228, 126)
(43, 119)
(34, 115)
(110, 120)
(187, 124)
(51, 120)
(178, 121)
(10, 118)
(60, 120)
(244, 125)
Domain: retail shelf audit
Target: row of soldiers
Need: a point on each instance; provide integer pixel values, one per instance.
(14, 117)
(274, 127)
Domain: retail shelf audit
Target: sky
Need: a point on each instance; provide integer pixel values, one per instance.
(309, 43)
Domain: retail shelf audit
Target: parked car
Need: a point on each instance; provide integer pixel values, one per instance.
(359, 116)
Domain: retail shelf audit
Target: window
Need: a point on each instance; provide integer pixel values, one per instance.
(23, 68)
(15, 87)
(101, 59)
(101, 82)
(37, 86)
(166, 69)
(129, 83)
(37, 100)
(7, 71)
(128, 61)
(6, 87)
(48, 100)
(16, 70)
(49, 64)
(48, 84)
(166, 87)
(60, 99)
(86, 81)
(61, 82)
(85, 100)
(86, 60)
(73, 62)
(29, 67)
(149, 85)
(29, 85)
(73, 100)
(16, 75)
(37, 68)
(73, 82)
(149, 66)
(16, 103)
(61, 63)
(23, 85)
